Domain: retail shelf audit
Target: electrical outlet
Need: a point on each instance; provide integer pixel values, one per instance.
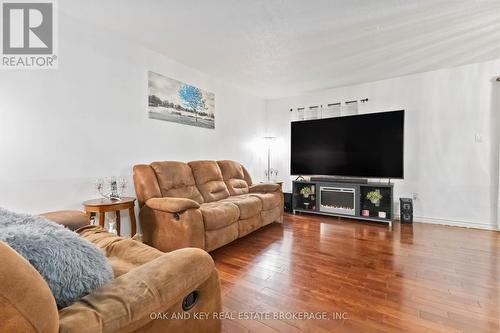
(478, 138)
(415, 196)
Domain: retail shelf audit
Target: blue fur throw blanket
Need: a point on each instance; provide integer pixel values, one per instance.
(72, 266)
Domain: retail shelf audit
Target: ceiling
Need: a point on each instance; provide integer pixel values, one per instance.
(276, 48)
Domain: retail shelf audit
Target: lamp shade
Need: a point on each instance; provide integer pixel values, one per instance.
(269, 140)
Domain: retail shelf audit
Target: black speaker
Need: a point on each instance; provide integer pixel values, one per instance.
(288, 202)
(406, 210)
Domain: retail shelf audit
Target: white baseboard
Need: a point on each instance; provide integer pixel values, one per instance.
(453, 223)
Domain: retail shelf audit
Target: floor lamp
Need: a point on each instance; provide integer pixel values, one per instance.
(269, 141)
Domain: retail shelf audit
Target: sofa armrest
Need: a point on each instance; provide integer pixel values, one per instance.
(172, 205)
(167, 231)
(71, 219)
(26, 302)
(129, 302)
(266, 188)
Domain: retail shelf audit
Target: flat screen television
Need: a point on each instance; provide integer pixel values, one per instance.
(367, 145)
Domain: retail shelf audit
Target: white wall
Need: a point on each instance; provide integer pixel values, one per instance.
(456, 178)
(62, 129)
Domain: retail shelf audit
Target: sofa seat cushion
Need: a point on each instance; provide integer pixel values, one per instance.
(249, 205)
(219, 214)
(124, 254)
(269, 200)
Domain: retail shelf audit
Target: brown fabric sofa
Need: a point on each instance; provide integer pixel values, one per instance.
(204, 204)
(148, 283)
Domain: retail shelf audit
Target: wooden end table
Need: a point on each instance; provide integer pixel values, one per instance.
(101, 206)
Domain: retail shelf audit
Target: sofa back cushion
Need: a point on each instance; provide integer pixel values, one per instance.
(234, 177)
(145, 183)
(175, 179)
(209, 180)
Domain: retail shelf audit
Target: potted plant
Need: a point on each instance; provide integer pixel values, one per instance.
(374, 197)
(306, 191)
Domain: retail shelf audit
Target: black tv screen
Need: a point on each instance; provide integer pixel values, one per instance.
(368, 145)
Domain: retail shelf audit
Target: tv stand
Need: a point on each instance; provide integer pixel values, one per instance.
(339, 180)
(329, 196)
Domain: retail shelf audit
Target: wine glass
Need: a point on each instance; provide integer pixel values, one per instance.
(112, 223)
(98, 184)
(275, 174)
(122, 186)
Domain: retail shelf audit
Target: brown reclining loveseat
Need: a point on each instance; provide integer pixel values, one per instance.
(204, 204)
(149, 286)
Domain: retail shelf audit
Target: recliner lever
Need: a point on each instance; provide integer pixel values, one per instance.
(190, 300)
(177, 215)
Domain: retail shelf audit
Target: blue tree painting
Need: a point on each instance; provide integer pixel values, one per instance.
(179, 102)
(192, 98)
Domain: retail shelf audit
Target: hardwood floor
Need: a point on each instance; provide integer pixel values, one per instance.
(415, 278)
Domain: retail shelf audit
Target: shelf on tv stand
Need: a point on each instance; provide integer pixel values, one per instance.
(360, 201)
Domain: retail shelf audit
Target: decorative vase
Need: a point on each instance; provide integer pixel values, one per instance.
(376, 202)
